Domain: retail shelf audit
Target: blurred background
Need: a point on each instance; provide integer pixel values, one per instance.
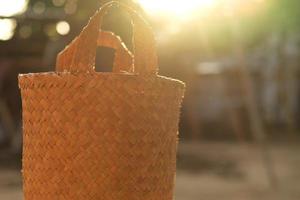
(239, 131)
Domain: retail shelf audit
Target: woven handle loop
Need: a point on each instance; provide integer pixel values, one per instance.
(123, 57)
(145, 57)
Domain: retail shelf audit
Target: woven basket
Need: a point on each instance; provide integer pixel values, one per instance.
(102, 136)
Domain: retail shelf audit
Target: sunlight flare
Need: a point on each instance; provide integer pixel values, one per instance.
(184, 9)
(175, 7)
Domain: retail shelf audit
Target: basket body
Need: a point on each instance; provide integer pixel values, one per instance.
(101, 136)
(98, 136)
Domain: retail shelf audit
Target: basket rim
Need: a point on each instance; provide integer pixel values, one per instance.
(26, 80)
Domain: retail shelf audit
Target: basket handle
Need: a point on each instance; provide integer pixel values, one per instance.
(84, 51)
(123, 57)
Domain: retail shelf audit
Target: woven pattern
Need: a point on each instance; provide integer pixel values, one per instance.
(108, 136)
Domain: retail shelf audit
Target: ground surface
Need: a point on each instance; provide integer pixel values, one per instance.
(212, 171)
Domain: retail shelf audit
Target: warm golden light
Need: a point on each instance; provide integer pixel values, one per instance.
(183, 9)
(9, 8)
(176, 7)
(174, 15)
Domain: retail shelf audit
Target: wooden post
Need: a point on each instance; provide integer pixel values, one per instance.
(256, 123)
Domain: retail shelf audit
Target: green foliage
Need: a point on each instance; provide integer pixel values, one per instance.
(222, 32)
(285, 14)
